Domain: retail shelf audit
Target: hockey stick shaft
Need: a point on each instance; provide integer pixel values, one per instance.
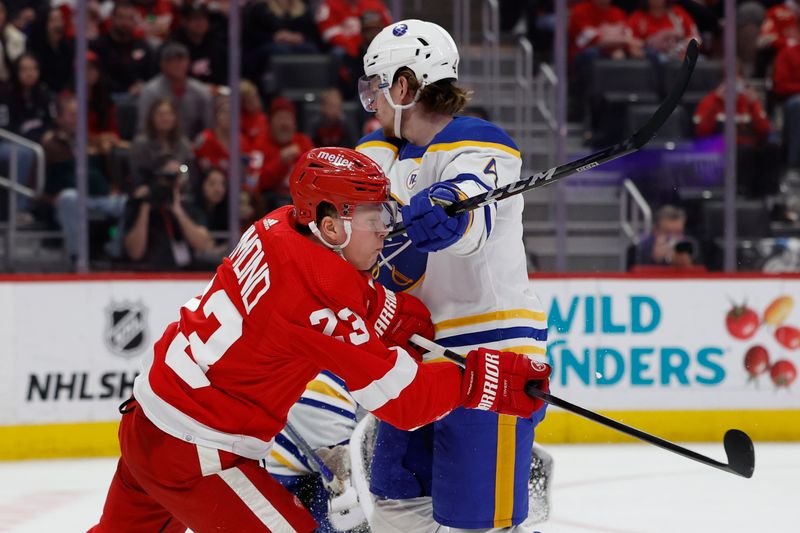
(738, 446)
(316, 463)
(641, 137)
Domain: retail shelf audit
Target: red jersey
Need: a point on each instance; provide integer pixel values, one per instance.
(786, 72)
(254, 127)
(275, 172)
(752, 124)
(644, 24)
(780, 27)
(339, 22)
(280, 309)
(585, 20)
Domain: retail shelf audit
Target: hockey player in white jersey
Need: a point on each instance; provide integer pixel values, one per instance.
(469, 470)
(325, 417)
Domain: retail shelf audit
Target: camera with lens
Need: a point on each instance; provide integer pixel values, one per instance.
(162, 186)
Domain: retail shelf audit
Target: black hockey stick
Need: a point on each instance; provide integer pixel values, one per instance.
(738, 446)
(642, 136)
(315, 461)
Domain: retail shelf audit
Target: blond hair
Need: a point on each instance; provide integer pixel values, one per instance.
(443, 96)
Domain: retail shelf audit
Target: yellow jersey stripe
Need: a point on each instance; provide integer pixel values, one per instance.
(478, 144)
(527, 350)
(377, 144)
(327, 390)
(504, 470)
(282, 460)
(489, 317)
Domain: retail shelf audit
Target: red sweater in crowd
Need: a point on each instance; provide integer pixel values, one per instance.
(786, 72)
(339, 22)
(644, 24)
(780, 27)
(275, 172)
(752, 124)
(585, 20)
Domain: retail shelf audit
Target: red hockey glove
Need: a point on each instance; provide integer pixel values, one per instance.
(397, 316)
(495, 381)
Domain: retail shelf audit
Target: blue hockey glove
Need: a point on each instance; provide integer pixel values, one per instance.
(427, 224)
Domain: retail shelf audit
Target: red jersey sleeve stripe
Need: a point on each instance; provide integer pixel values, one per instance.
(391, 385)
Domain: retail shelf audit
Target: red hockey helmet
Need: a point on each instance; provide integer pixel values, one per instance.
(344, 178)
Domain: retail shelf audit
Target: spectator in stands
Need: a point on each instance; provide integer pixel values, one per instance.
(339, 23)
(102, 111)
(156, 18)
(191, 98)
(599, 29)
(125, 58)
(596, 29)
(208, 50)
(749, 17)
(22, 14)
(32, 107)
(331, 128)
(60, 186)
(212, 146)
(159, 232)
(209, 208)
(285, 146)
(372, 22)
(252, 120)
(277, 27)
(780, 27)
(665, 28)
(758, 160)
(162, 136)
(667, 245)
(12, 44)
(786, 86)
(54, 50)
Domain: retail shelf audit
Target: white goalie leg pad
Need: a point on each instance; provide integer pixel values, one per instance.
(345, 513)
(540, 484)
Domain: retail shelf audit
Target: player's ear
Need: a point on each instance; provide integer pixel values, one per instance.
(405, 90)
(332, 230)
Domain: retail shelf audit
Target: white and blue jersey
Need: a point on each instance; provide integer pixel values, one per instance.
(474, 464)
(325, 415)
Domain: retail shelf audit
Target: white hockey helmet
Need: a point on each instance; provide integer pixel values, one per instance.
(424, 47)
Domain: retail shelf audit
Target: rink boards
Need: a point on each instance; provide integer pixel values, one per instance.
(660, 354)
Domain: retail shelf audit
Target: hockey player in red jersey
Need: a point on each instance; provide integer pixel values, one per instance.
(291, 300)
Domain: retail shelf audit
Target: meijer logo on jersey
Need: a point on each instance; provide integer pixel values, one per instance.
(337, 160)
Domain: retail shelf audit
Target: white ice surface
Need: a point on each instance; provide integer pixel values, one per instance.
(609, 488)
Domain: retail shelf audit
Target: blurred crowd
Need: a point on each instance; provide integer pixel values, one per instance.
(159, 111)
(159, 115)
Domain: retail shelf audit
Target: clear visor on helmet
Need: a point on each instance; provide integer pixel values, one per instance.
(368, 89)
(372, 216)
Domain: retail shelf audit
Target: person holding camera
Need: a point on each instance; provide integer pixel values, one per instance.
(160, 234)
(667, 245)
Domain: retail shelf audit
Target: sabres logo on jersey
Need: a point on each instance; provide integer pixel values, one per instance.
(400, 266)
(411, 181)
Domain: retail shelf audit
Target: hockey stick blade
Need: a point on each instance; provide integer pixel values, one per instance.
(633, 143)
(738, 446)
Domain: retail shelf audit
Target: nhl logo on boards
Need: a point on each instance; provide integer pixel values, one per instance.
(126, 328)
(399, 30)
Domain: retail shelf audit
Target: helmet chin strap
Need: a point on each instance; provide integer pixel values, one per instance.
(398, 109)
(338, 248)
